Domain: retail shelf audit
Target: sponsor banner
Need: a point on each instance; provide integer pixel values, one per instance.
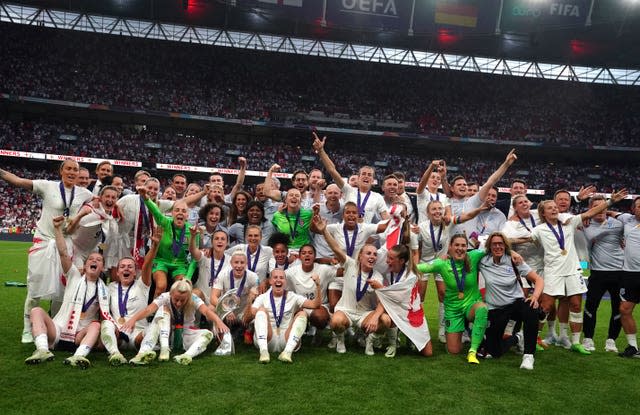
(22, 154)
(91, 160)
(527, 15)
(478, 16)
(369, 14)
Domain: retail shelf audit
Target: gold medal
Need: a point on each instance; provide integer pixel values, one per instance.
(277, 331)
(102, 246)
(563, 252)
(83, 315)
(460, 295)
(121, 320)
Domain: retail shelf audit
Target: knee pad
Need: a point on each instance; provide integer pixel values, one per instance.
(575, 317)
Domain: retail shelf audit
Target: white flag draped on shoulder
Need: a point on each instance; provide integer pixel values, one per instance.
(402, 303)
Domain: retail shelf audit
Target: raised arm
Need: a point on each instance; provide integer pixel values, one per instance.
(318, 146)
(497, 175)
(61, 244)
(466, 216)
(75, 221)
(153, 208)
(443, 179)
(194, 250)
(321, 226)
(425, 176)
(147, 265)
(240, 179)
(17, 181)
(615, 198)
(269, 191)
(195, 198)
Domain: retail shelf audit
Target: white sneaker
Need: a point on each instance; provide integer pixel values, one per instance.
(340, 346)
(391, 351)
(264, 356)
(550, 340)
(588, 344)
(285, 357)
(563, 341)
(183, 359)
(117, 359)
(27, 337)
(165, 354)
(39, 356)
(333, 342)
(610, 346)
(368, 348)
(527, 362)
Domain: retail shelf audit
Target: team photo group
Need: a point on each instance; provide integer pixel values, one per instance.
(164, 274)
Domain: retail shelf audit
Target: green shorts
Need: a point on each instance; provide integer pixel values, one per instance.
(172, 269)
(454, 317)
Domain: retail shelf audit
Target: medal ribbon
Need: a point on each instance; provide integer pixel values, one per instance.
(176, 247)
(431, 198)
(398, 276)
(86, 305)
(122, 303)
(215, 271)
(66, 212)
(294, 229)
(559, 235)
(459, 281)
(533, 222)
(252, 267)
(350, 246)
(360, 292)
(437, 246)
(233, 282)
(276, 317)
(363, 205)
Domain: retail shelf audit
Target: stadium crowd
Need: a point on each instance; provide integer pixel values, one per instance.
(187, 78)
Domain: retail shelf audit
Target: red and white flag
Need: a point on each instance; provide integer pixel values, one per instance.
(402, 303)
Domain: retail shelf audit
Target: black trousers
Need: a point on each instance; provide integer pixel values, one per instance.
(598, 283)
(519, 311)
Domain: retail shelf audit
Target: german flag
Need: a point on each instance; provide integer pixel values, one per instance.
(457, 13)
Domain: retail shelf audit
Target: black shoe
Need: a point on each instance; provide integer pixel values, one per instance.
(630, 351)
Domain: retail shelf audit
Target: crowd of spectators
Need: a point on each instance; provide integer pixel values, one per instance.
(225, 82)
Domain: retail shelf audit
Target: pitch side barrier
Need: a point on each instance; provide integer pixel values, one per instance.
(204, 169)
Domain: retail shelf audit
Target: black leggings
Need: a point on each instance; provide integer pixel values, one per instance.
(598, 283)
(519, 311)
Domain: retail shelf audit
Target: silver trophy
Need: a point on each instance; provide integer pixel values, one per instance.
(228, 303)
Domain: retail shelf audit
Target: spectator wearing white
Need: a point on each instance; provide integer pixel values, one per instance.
(104, 169)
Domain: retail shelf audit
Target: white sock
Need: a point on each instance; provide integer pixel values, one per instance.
(575, 338)
(260, 323)
(41, 341)
(441, 315)
(508, 330)
(392, 335)
(29, 304)
(82, 350)
(201, 343)
(108, 337)
(551, 324)
(150, 337)
(631, 339)
(299, 326)
(563, 329)
(164, 326)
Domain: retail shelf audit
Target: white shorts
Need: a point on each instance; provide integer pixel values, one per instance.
(356, 319)
(191, 335)
(564, 286)
(277, 342)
